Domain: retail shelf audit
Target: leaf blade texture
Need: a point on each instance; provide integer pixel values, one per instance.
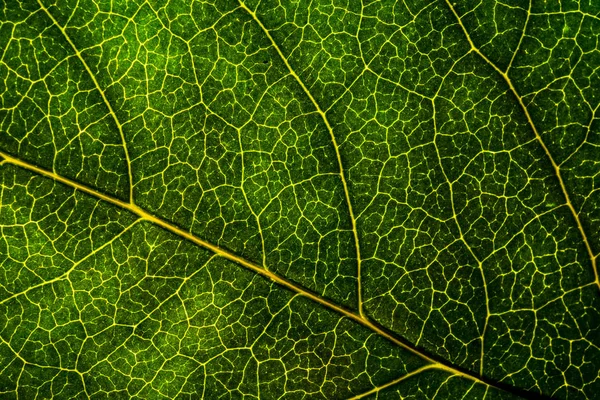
(327, 199)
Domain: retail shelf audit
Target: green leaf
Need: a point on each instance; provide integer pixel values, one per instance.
(311, 199)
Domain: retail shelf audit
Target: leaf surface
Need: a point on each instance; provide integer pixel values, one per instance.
(326, 199)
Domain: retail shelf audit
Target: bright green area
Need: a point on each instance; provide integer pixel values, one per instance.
(232, 121)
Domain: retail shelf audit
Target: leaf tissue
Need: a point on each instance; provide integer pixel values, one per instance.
(325, 199)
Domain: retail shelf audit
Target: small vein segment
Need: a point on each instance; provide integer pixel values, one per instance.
(335, 145)
(377, 389)
(464, 240)
(555, 166)
(66, 274)
(97, 85)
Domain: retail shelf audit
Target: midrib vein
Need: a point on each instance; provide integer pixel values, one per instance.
(145, 215)
(99, 89)
(333, 140)
(555, 166)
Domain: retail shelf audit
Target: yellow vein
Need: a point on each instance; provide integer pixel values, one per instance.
(143, 214)
(335, 146)
(464, 240)
(540, 141)
(66, 274)
(149, 316)
(394, 382)
(512, 59)
(102, 94)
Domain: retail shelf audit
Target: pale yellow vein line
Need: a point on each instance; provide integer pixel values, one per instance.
(65, 275)
(335, 145)
(239, 260)
(464, 240)
(394, 382)
(41, 366)
(540, 141)
(149, 316)
(102, 94)
(512, 59)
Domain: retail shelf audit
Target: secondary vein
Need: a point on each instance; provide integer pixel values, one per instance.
(555, 166)
(102, 94)
(335, 146)
(377, 389)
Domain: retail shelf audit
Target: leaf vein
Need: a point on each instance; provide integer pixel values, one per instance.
(555, 166)
(99, 88)
(333, 140)
(144, 215)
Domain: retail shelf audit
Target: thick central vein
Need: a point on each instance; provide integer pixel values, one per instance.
(145, 215)
(99, 88)
(555, 166)
(335, 146)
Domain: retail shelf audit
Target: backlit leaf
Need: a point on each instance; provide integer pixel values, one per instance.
(320, 199)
